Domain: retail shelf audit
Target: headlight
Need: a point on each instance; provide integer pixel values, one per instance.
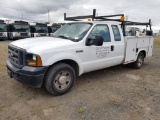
(33, 60)
(4, 34)
(34, 57)
(16, 34)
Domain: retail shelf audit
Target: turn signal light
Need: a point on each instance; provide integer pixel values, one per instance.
(31, 63)
(39, 61)
(89, 20)
(122, 18)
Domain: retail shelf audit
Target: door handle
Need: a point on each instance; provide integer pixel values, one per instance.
(112, 48)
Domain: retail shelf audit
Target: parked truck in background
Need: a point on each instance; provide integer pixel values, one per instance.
(38, 29)
(18, 30)
(77, 48)
(3, 30)
(53, 28)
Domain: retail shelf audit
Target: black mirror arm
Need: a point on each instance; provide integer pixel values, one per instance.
(88, 42)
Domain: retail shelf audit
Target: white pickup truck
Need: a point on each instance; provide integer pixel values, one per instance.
(76, 48)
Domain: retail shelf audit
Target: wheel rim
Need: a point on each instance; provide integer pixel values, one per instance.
(140, 61)
(62, 80)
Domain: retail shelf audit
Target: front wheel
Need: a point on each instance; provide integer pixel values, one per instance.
(59, 79)
(139, 62)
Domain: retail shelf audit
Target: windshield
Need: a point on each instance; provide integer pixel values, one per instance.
(21, 28)
(41, 29)
(3, 28)
(73, 31)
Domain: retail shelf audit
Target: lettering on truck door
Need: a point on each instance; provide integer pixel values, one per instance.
(99, 56)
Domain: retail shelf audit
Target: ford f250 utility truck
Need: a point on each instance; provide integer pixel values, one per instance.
(77, 48)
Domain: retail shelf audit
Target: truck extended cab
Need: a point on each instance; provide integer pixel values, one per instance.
(76, 48)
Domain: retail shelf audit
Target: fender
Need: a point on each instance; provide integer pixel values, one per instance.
(142, 49)
(47, 61)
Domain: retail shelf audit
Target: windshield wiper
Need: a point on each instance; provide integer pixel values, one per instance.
(62, 36)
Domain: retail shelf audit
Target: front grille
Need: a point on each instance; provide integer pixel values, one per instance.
(24, 34)
(16, 56)
(1, 34)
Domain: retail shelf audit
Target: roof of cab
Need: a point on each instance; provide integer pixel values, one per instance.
(97, 22)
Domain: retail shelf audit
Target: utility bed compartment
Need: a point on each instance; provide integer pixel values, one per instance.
(134, 45)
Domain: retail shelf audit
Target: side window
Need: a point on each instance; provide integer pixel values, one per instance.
(117, 36)
(101, 30)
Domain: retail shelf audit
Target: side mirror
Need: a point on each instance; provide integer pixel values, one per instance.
(97, 41)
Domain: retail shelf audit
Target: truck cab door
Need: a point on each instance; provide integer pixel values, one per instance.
(99, 57)
(118, 43)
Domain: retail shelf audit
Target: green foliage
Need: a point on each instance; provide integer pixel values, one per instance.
(81, 110)
(156, 42)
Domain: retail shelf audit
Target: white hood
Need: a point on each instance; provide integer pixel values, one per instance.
(35, 45)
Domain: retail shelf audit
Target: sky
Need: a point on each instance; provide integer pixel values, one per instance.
(37, 11)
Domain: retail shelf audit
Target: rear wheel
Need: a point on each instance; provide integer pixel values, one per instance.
(59, 79)
(139, 62)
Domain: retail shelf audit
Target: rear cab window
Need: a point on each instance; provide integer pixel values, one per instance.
(116, 32)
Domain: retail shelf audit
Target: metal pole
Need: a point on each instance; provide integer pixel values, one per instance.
(150, 25)
(94, 14)
(48, 16)
(123, 27)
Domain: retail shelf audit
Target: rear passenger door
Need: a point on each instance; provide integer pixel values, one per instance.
(99, 57)
(118, 43)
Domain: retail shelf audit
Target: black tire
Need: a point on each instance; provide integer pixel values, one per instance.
(139, 62)
(59, 76)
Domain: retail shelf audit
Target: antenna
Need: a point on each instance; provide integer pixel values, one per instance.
(48, 17)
